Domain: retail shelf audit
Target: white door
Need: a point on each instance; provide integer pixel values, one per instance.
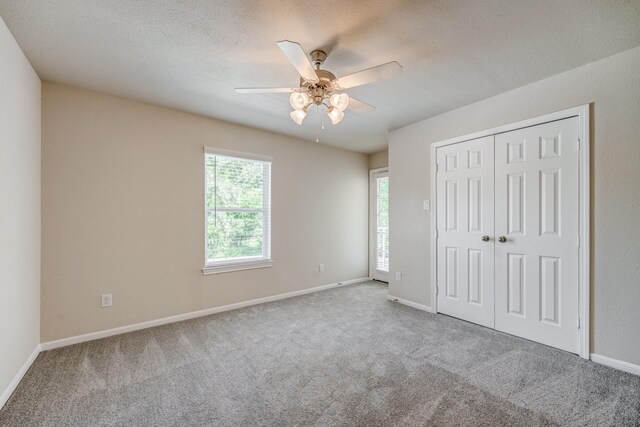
(379, 219)
(536, 189)
(465, 214)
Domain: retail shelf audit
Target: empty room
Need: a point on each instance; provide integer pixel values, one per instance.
(301, 213)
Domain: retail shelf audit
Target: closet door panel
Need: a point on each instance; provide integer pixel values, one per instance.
(464, 215)
(536, 210)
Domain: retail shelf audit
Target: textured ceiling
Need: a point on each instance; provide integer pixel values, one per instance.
(190, 55)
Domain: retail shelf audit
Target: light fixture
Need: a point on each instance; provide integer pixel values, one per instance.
(299, 115)
(318, 94)
(339, 101)
(335, 115)
(299, 100)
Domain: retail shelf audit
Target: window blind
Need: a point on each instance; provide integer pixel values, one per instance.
(238, 208)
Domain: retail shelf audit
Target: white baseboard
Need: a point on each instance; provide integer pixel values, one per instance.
(617, 364)
(16, 380)
(186, 316)
(411, 304)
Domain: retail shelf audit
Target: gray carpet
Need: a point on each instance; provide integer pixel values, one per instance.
(346, 356)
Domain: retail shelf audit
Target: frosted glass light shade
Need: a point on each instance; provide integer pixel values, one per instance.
(335, 115)
(340, 101)
(298, 100)
(298, 116)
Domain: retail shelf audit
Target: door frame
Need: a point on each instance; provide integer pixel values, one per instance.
(372, 223)
(582, 112)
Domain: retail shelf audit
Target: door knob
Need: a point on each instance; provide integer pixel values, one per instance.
(502, 239)
(486, 238)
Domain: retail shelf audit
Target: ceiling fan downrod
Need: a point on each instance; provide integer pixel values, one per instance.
(317, 57)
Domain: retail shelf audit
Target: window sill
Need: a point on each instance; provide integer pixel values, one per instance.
(237, 266)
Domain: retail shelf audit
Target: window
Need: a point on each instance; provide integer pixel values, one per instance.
(237, 211)
(379, 224)
(382, 223)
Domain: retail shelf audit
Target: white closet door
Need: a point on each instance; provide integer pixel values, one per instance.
(536, 189)
(465, 212)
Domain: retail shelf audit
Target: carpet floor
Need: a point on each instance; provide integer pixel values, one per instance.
(345, 356)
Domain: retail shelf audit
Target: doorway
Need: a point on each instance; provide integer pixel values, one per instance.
(379, 224)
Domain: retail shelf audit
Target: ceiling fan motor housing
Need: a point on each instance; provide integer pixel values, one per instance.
(322, 88)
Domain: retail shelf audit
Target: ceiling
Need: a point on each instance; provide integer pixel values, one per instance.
(191, 54)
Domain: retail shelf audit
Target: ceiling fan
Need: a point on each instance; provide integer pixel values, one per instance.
(321, 87)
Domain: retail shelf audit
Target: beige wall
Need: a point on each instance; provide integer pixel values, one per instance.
(379, 159)
(123, 213)
(613, 86)
(19, 210)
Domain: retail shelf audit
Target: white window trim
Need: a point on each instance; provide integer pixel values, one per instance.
(246, 263)
(240, 154)
(236, 266)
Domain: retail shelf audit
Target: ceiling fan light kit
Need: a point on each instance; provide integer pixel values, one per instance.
(339, 101)
(298, 115)
(321, 87)
(299, 100)
(335, 115)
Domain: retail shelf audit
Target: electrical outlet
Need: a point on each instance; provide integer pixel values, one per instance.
(398, 276)
(320, 268)
(107, 300)
(426, 205)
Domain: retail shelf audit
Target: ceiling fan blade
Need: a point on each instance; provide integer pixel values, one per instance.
(360, 107)
(263, 90)
(294, 53)
(370, 75)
